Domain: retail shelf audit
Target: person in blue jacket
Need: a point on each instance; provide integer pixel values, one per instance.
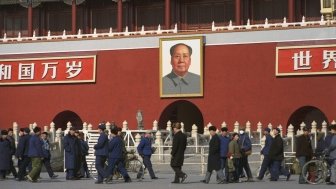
(36, 155)
(266, 163)
(84, 170)
(145, 151)
(71, 155)
(115, 158)
(101, 153)
(22, 153)
(224, 149)
(245, 146)
(5, 154)
(47, 155)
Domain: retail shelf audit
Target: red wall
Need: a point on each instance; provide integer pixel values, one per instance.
(239, 85)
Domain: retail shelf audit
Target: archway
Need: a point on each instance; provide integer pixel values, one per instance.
(182, 111)
(307, 114)
(62, 118)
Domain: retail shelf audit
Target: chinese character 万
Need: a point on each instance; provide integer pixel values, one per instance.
(26, 71)
(329, 56)
(302, 61)
(73, 69)
(52, 66)
(5, 71)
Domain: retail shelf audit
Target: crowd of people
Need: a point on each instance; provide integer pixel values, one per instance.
(228, 154)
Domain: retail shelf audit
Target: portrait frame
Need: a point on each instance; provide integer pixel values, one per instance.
(196, 43)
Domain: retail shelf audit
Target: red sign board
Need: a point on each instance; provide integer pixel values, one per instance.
(306, 60)
(74, 69)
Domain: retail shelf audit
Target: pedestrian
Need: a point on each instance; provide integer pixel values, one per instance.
(5, 154)
(214, 158)
(304, 152)
(177, 153)
(276, 154)
(115, 158)
(145, 151)
(246, 150)
(22, 153)
(101, 153)
(332, 155)
(47, 155)
(266, 163)
(11, 139)
(36, 155)
(224, 149)
(233, 159)
(84, 170)
(71, 155)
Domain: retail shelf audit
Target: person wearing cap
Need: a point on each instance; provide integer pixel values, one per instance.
(71, 155)
(177, 153)
(84, 170)
(36, 155)
(101, 153)
(214, 162)
(115, 157)
(332, 155)
(304, 151)
(224, 148)
(22, 153)
(246, 149)
(233, 159)
(276, 154)
(145, 151)
(5, 154)
(11, 139)
(265, 151)
(47, 155)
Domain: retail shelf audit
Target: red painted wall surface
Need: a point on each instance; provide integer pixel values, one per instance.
(239, 85)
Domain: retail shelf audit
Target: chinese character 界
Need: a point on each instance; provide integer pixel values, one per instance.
(73, 69)
(26, 71)
(5, 71)
(52, 66)
(329, 56)
(302, 61)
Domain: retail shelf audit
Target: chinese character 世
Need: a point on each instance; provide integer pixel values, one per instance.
(329, 56)
(5, 71)
(301, 61)
(73, 69)
(26, 71)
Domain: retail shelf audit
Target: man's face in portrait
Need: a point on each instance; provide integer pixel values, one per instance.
(181, 60)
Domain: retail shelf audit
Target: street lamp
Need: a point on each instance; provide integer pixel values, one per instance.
(328, 8)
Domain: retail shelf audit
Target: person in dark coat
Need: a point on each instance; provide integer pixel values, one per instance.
(214, 162)
(177, 153)
(36, 155)
(11, 139)
(47, 155)
(101, 153)
(233, 159)
(276, 154)
(304, 150)
(224, 148)
(22, 153)
(5, 154)
(84, 170)
(145, 151)
(245, 147)
(71, 155)
(115, 158)
(266, 163)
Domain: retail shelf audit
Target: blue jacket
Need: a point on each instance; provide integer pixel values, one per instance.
(35, 147)
(101, 148)
(5, 154)
(46, 149)
(268, 142)
(115, 148)
(23, 146)
(245, 142)
(71, 151)
(224, 145)
(145, 147)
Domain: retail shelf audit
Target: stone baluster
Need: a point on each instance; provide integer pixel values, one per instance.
(45, 128)
(324, 128)
(236, 127)
(124, 126)
(333, 122)
(58, 139)
(223, 124)
(85, 131)
(85, 126)
(90, 127)
(158, 145)
(169, 126)
(301, 128)
(158, 138)
(194, 131)
(259, 130)
(16, 132)
(270, 126)
(248, 128)
(34, 125)
(52, 131)
(155, 125)
(280, 128)
(290, 133)
(137, 139)
(31, 128)
(182, 127)
(108, 127)
(314, 132)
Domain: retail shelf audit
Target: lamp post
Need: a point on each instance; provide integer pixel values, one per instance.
(328, 8)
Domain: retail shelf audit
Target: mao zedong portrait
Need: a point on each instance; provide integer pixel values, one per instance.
(180, 80)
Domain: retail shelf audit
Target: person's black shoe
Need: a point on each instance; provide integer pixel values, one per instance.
(128, 179)
(288, 177)
(222, 182)
(183, 178)
(259, 178)
(331, 183)
(175, 182)
(250, 180)
(54, 176)
(108, 179)
(155, 178)
(204, 181)
(272, 179)
(99, 182)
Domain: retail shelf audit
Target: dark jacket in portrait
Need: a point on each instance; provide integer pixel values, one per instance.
(304, 146)
(5, 154)
(35, 147)
(276, 152)
(101, 148)
(72, 151)
(214, 162)
(179, 146)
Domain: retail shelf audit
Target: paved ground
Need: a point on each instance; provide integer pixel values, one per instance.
(164, 182)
